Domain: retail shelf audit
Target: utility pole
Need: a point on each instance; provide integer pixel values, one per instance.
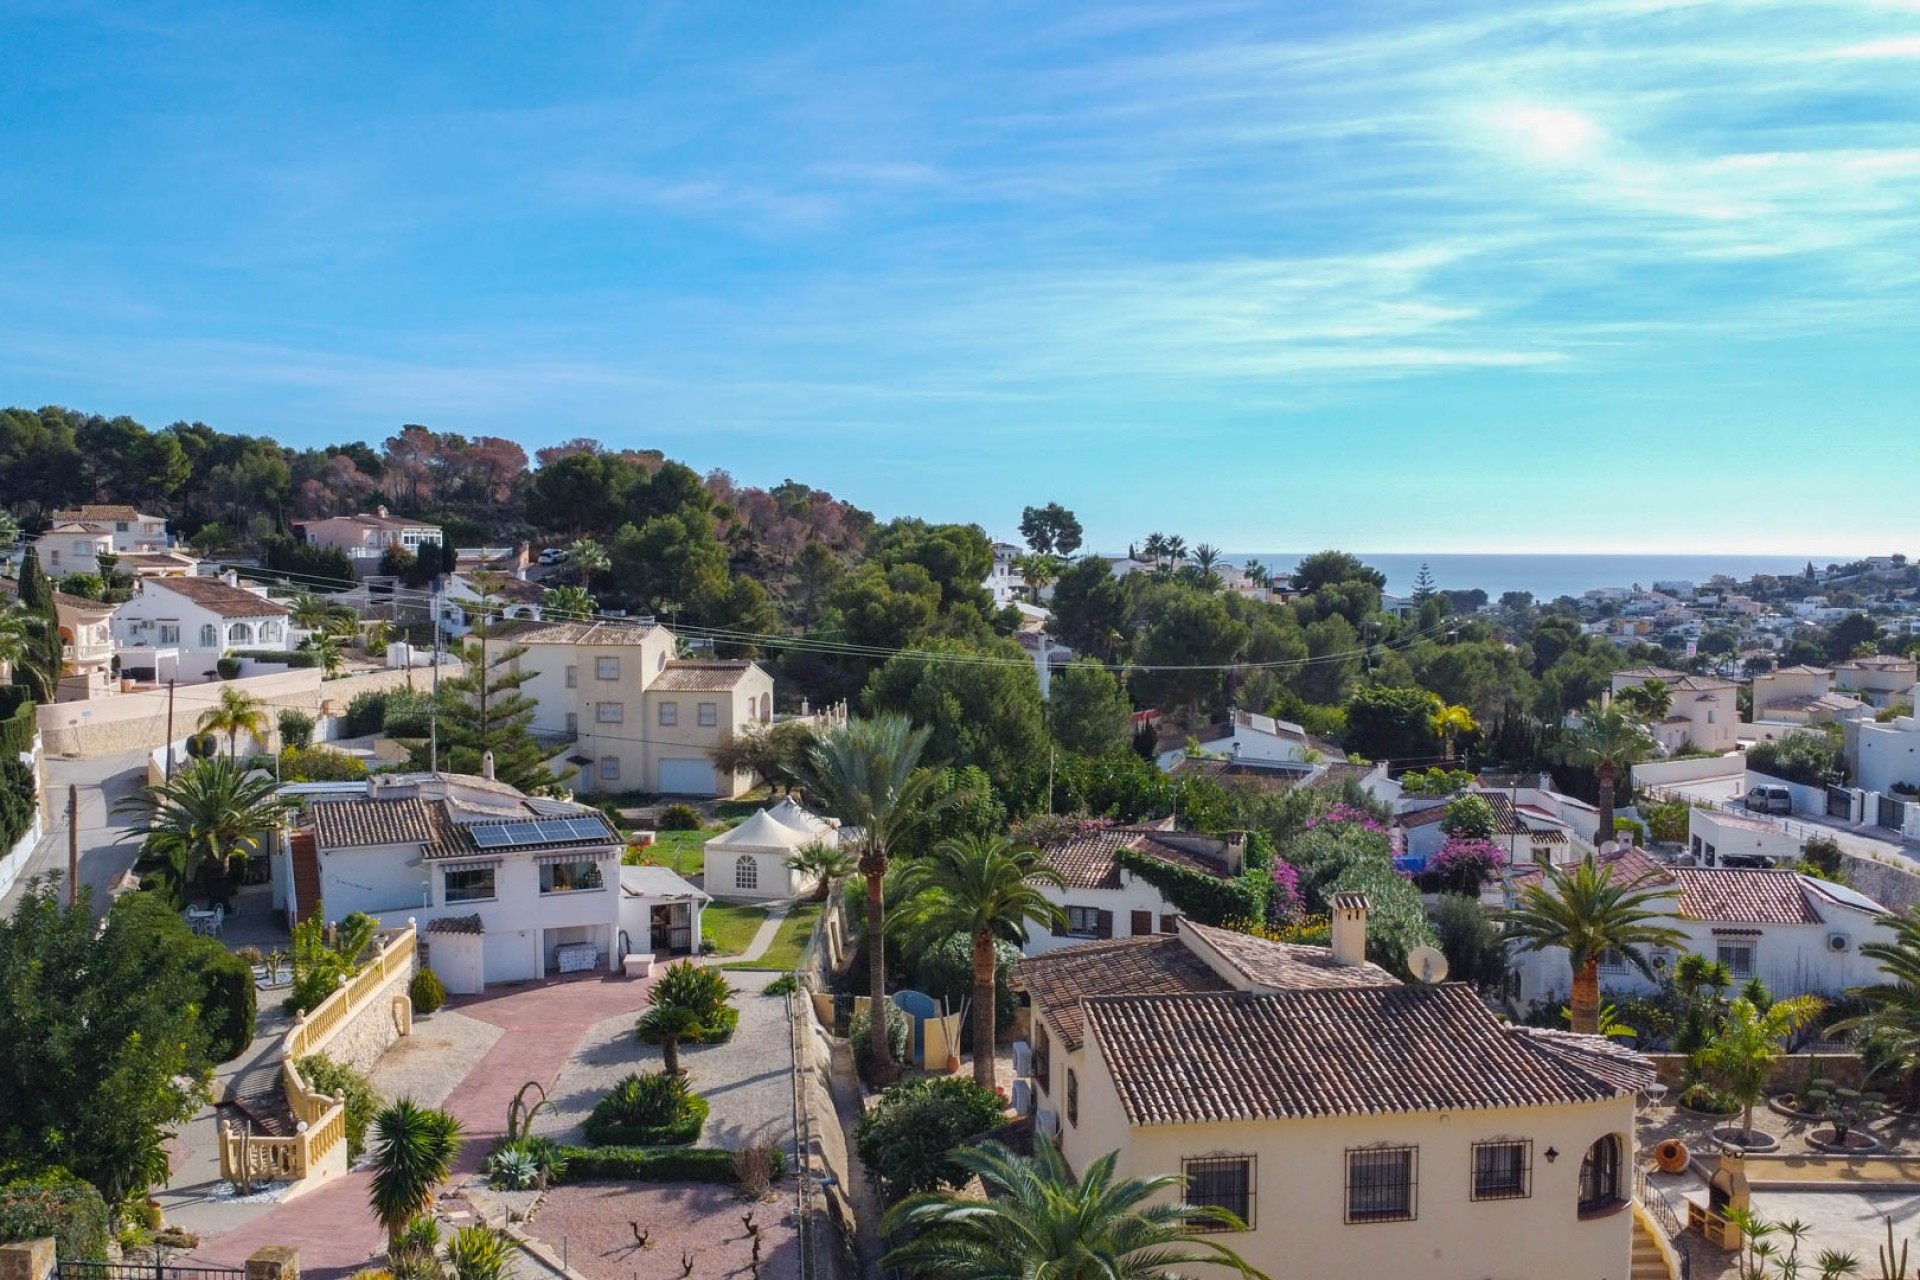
(73, 845)
(170, 730)
(433, 713)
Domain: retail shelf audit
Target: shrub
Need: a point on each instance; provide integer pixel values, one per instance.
(650, 1110)
(229, 1010)
(755, 1167)
(524, 1164)
(1824, 856)
(1701, 1096)
(227, 666)
(784, 985)
(860, 1032)
(1624, 826)
(479, 1252)
(1666, 822)
(637, 1164)
(408, 713)
(296, 730)
(203, 746)
(696, 987)
(944, 971)
(366, 714)
(1471, 942)
(319, 764)
(342, 1081)
(426, 991)
(680, 817)
(1463, 864)
(905, 1138)
(57, 1204)
(1811, 759)
(1470, 817)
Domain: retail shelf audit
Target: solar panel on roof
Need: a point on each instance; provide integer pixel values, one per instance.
(489, 837)
(589, 828)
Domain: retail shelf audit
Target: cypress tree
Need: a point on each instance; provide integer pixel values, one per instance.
(40, 673)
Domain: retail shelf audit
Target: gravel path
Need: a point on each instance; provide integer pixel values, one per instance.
(748, 1082)
(593, 1224)
(426, 1065)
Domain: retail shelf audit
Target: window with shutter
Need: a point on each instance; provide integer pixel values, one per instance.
(1103, 926)
(1141, 924)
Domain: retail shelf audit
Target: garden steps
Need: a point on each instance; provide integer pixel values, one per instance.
(258, 1093)
(1648, 1262)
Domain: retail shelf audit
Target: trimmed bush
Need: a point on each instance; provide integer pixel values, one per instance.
(426, 991)
(650, 1110)
(328, 1076)
(203, 746)
(56, 1204)
(905, 1138)
(319, 764)
(366, 714)
(284, 657)
(232, 1003)
(680, 817)
(637, 1164)
(227, 666)
(860, 1032)
(296, 730)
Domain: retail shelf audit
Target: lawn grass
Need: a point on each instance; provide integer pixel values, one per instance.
(731, 926)
(788, 942)
(683, 851)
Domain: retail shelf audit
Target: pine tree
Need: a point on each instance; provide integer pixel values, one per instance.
(483, 710)
(40, 672)
(1423, 589)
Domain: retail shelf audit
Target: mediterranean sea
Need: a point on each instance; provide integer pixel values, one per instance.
(1551, 576)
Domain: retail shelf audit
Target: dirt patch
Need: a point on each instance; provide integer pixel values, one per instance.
(593, 1225)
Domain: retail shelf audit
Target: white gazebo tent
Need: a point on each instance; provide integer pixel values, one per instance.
(750, 861)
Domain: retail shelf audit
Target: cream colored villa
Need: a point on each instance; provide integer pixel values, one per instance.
(643, 719)
(1359, 1126)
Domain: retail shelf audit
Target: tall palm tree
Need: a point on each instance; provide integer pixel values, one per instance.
(413, 1151)
(1043, 1222)
(1649, 702)
(1753, 1041)
(1038, 571)
(586, 558)
(1892, 1016)
(1606, 740)
(866, 773)
(1155, 547)
(1206, 557)
(568, 601)
(236, 711)
(326, 650)
(193, 824)
(310, 612)
(1451, 722)
(1257, 573)
(1585, 912)
(1176, 549)
(986, 888)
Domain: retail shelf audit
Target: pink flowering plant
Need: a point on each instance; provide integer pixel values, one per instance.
(1285, 905)
(1345, 815)
(1463, 865)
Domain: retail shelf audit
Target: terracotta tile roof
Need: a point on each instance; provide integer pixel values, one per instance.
(439, 826)
(1287, 966)
(700, 677)
(1597, 1056)
(1739, 896)
(457, 924)
(1089, 861)
(1225, 1057)
(1158, 966)
(96, 513)
(610, 632)
(1647, 673)
(219, 598)
(1701, 684)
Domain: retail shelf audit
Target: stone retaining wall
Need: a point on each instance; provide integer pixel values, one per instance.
(1844, 1069)
(374, 1029)
(1887, 885)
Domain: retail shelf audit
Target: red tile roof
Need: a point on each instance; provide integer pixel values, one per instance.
(1719, 895)
(1225, 1057)
(700, 677)
(1089, 861)
(218, 597)
(1158, 966)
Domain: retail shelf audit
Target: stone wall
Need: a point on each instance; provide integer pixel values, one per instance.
(1887, 885)
(1844, 1069)
(138, 721)
(371, 1031)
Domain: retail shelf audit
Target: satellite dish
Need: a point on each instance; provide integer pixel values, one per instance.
(1428, 965)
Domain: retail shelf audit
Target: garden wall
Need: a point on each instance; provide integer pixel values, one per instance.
(373, 1029)
(1668, 773)
(1844, 1069)
(1890, 886)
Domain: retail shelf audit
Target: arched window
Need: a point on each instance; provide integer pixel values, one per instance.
(239, 633)
(766, 708)
(1600, 1175)
(746, 872)
(208, 636)
(269, 632)
(1073, 1097)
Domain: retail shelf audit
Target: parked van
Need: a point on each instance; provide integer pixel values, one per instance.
(1770, 800)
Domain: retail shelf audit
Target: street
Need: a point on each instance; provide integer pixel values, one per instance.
(1868, 841)
(104, 855)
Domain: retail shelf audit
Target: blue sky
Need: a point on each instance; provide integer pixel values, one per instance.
(1456, 276)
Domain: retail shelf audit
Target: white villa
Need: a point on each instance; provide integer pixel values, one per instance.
(1104, 899)
(178, 628)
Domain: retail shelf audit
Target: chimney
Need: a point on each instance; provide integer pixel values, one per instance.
(1236, 852)
(231, 578)
(1350, 928)
(381, 512)
(486, 771)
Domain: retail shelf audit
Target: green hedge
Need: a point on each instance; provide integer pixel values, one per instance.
(60, 1205)
(291, 657)
(232, 1004)
(637, 1164)
(605, 1132)
(16, 721)
(1208, 899)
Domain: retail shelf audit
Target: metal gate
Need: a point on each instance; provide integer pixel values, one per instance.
(159, 1269)
(1893, 813)
(1840, 803)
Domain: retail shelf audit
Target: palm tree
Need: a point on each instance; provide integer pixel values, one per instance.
(1206, 557)
(825, 865)
(1042, 1221)
(587, 557)
(310, 612)
(1451, 722)
(1257, 573)
(1587, 914)
(1038, 572)
(568, 601)
(1745, 1052)
(413, 1150)
(1155, 547)
(866, 773)
(192, 824)
(1649, 702)
(986, 888)
(236, 711)
(326, 650)
(1606, 740)
(667, 1025)
(1176, 549)
(1892, 1018)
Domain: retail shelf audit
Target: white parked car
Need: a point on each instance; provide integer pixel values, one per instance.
(552, 555)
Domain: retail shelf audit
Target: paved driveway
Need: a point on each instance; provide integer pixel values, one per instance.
(103, 782)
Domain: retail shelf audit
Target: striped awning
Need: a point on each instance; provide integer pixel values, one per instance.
(466, 864)
(578, 855)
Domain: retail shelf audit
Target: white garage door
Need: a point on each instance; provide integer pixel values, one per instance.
(687, 778)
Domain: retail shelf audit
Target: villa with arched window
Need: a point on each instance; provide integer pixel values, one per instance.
(178, 628)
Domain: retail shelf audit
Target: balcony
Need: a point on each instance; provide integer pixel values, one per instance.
(87, 652)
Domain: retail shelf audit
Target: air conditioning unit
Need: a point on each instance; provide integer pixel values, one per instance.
(1837, 942)
(1022, 1058)
(1047, 1121)
(1023, 1097)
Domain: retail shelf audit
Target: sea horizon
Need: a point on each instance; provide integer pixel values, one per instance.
(1549, 576)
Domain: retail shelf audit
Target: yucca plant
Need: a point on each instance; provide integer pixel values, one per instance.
(413, 1151)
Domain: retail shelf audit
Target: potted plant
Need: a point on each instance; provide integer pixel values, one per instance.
(1844, 1109)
